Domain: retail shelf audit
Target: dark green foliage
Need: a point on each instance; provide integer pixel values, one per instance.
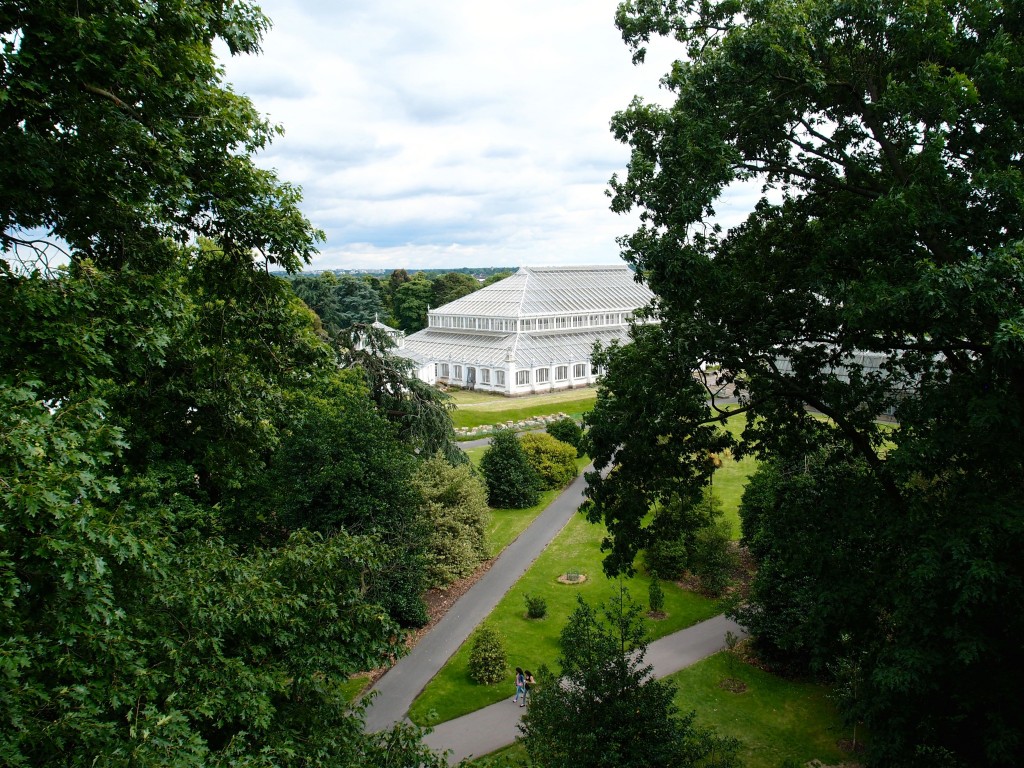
(568, 431)
(455, 499)
(536, 606)
(151, 616)
(512, 483)
(488, 661)
(410, 303)
(553, 460)
(340, 467)
(95, 144)
(655, 595)
(339, 301)
(713, 559)
(607, 709)
(450, 286)
(881, 272)
(811, 527)
(654, 468)
(421, 412)
(675, 530)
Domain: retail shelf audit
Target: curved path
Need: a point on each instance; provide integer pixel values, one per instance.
(493, 727)
(397, 688)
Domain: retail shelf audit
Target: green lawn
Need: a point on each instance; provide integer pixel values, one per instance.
(728, 483)
(776, 720)
(531, 643)
(476, 409)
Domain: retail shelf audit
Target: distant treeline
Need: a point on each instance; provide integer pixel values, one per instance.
(480, 272)
(342, 298)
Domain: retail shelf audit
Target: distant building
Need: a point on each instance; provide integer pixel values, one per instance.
(531, 332)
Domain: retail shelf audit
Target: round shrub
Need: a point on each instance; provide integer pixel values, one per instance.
(568, 431)
(487, 658)
(554, 461)
(536, 606)
(512, 482)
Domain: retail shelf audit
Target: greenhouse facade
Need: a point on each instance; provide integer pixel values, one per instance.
(531, 332)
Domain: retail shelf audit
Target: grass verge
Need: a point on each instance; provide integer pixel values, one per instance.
(476, 409)
(530, 643)
(777, 721)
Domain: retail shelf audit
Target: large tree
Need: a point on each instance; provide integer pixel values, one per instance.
(880, 271)
(339, 301)
(149, 617)
(606, 709)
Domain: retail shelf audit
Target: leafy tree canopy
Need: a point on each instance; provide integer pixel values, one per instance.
(411, 301)
(451, 286)
(879, 272)
(512, 482)
(150, 617)
(605, 709)
(339, 301)
(456, 502)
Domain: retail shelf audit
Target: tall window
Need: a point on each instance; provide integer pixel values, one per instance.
(542, 375)
(442, 370)
(522, 377)
(458, 373)
(485, 375)
(561, 372)
(499, 378)
(579, 371)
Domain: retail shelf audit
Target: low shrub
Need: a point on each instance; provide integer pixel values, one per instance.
(553, 460)
(487, 658)
(568, 431)
(655, 595)
(536, 607)
(713, 559)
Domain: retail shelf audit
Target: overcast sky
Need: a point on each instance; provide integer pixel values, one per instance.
(456, 133)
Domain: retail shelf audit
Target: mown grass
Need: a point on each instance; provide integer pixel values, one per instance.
(776, 720)
(728, 483)
(477, 409)
(531, 643)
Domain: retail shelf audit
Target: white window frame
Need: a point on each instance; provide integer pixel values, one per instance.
(485, 375)
(457, 371)
(561, 372)
(442, 370)
(579, 371)
(522, 378)
(499, 378)
(543, 374)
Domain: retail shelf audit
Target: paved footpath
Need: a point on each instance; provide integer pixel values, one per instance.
(482, 732)
(397, 688)
(494, 727)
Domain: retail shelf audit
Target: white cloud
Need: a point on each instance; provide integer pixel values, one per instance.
(456, 133)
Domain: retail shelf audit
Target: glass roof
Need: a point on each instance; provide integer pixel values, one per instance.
(544, 291)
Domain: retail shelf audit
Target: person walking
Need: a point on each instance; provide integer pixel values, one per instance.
(520, 686)
(527, 682)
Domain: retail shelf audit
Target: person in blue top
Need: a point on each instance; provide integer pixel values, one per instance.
(520, 686)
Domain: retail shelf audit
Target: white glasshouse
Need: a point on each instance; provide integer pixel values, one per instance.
(531, 332)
